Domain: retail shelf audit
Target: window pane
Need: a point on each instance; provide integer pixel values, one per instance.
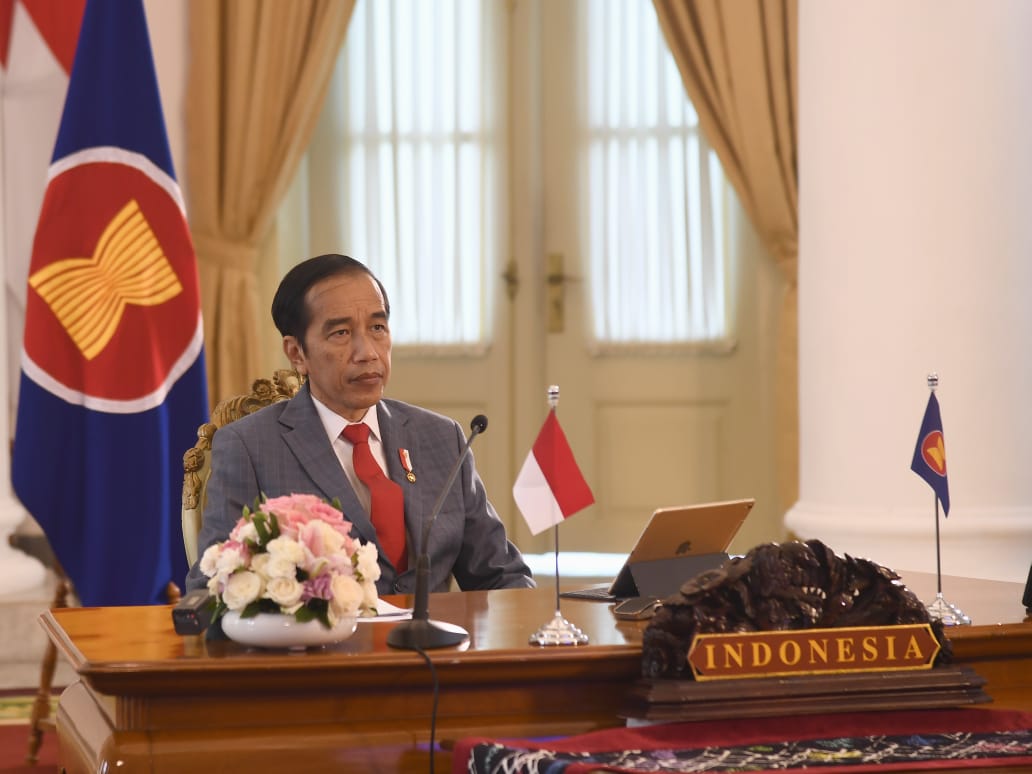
(654, 219)
(420, 161)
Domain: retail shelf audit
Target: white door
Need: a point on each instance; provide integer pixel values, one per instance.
(650, 426)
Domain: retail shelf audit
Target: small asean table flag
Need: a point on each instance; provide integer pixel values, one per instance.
(930, 454)
(550, 486)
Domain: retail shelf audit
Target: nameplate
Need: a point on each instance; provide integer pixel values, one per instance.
(813, 651)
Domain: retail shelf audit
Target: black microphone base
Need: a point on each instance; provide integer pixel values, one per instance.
(419, 634)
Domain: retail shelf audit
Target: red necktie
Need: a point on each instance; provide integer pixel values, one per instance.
(387, 503)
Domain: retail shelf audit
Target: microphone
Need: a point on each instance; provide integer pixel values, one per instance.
(192, 614)
(420, 632)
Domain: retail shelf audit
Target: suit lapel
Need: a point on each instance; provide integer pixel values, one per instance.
(305, 436)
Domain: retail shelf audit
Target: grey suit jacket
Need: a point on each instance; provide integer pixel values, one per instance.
(283, 449)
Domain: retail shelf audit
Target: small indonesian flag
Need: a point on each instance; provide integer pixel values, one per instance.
(550, 486)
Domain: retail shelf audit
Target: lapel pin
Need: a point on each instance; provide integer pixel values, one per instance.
(406, 462)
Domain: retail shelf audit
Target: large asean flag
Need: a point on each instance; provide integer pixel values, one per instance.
(112, 384)
(550, 486)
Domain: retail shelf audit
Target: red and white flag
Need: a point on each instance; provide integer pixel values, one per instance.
(550, 486)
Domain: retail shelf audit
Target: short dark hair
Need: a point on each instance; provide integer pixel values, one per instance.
(290, 313)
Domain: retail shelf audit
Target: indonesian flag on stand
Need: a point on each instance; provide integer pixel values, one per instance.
(550, 486)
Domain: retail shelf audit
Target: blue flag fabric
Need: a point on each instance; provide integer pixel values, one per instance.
(113, 384)
(930, 454)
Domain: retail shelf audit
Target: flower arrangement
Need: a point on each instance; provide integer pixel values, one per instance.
(293, 555)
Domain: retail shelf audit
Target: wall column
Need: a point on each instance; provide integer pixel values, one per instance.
(916, 256)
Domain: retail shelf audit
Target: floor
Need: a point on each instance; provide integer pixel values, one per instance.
(22, 640)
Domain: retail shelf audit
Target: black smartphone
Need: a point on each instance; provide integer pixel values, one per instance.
(636, 608)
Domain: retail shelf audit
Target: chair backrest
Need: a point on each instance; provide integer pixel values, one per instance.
(283, 385)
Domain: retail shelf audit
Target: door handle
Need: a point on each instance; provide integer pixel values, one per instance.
(555, 292)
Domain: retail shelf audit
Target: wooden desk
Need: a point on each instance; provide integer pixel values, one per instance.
(150, 700)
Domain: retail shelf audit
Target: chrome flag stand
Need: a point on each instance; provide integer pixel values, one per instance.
(558, 631)
(940, 609)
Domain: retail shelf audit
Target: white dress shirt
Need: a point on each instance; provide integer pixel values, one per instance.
(334, 424)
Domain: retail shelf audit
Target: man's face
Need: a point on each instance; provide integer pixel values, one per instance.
(347, 354)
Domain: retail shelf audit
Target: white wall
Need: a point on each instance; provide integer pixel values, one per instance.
(915, 180)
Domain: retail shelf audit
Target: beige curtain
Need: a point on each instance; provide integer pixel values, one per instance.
(258, 76)
(738, 61)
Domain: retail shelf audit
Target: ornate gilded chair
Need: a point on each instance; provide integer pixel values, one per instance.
(283, 385)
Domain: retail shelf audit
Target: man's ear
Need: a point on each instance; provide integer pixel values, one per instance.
(295, 354)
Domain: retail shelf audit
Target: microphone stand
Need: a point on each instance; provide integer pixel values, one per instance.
(420, 633)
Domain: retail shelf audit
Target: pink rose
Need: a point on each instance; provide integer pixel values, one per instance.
(236, 549)
(296, 510)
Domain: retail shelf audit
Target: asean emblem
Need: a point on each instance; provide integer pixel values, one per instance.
(89, 295)
(933, 452)
(113, 294)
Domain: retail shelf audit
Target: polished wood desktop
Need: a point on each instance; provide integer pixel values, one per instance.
(147, 699)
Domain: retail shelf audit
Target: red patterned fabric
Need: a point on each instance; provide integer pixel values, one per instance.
(845, 742)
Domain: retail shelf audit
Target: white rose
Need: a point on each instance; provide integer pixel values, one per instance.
(285, 592)
(245, 532)
(284, 547)
(347, 595)
(365, 562)
(242, 589)
(215, 585)
(258, 562)
(326, 536)
(279, 567)
(229, 560)
(369, 597)
(210, 558)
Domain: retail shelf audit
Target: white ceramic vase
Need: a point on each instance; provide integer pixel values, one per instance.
(276, 630)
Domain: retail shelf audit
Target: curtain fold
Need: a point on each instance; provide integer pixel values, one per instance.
(258, 78)
(738, 60)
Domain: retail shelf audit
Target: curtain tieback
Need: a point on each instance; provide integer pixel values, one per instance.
(225, 253)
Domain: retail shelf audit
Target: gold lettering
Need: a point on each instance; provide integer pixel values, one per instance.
(870, 646)
(783, 654)
(761, 654)
(732, 653)
(913, 649)
(815, 652)
(819, 651)
(710, 660)
(845, 649)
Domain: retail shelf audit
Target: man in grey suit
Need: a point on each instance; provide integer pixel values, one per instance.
(333, 314)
